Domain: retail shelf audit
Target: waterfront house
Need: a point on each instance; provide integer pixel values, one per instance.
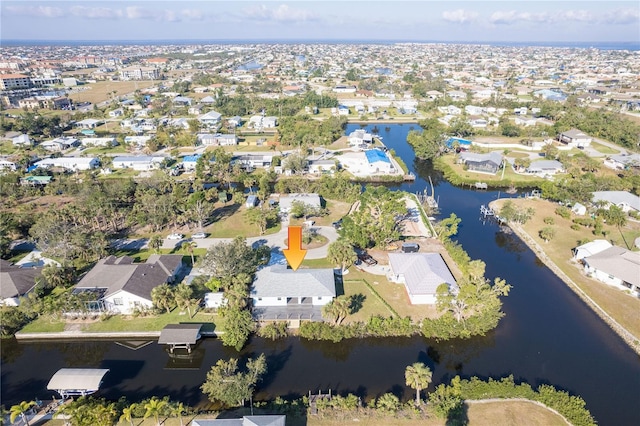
(279, 289)
(360, 137)
(590, 248)
(379, 162)
(421, 274)
(16, 282)
(483, 163)
(623, 161)
(545, 167)
(623, 199)
(122, 286)
(615, 266)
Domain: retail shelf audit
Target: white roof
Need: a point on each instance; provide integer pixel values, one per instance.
(77, 379)
(423, 272)
(278, 281)
(619, 262)
(618, 198)
(591, 248)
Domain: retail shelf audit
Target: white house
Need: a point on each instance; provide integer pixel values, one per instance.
(214, 300)
(122, 286)
(8, 165)
(70, 163)
(105, 142)
(379, 162)
(421, 274)
(579, 209)
(139, 162)
(622, 161)
(260, 122)
(286, 201)
(360, 137)
(89, 123)
(590, 248)
(623, 199)
(575, 138)
(615, 266)
(210, 119)
(545, 167)
(118, 112)
(60, 144)
(218, 139)
(137, 140)
(22, 140)
(278, 286)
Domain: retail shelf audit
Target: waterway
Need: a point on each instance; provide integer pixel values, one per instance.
(548, 336)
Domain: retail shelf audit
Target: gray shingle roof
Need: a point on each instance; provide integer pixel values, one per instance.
(423, 272)
(619, 262)
(180, 333)
(618, 198)
(277, 281)
(16, 281)
(117, 274)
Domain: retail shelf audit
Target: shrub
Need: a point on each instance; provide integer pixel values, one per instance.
(575, 227)
(548, 220)
(563, 212)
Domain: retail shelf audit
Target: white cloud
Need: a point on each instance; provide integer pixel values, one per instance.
(459, 16)
(622, 16)
(193, 14)
(95, 12)
(282, 13)
(35, 11)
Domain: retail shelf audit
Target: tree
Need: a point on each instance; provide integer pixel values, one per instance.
(177, 410)
(447, 401)
(418, 377)
(163, 297)
(225, 260)
(547, 233)
(190, 246)
(127, 414)
(337, 309)
(155, 243)
(388, 403)
(238, 325)
(21, 410)
(183, 296)
(261, 217)
(153, 408)
(615, 216)
(226, 384)
(341, 253)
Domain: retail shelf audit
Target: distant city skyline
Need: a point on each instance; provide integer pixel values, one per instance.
(451, 21)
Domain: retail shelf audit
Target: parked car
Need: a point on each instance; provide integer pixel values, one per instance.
(199, 235)
(367, 259)
(337, 224)
(175, 236)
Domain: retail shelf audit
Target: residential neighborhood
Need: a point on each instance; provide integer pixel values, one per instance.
(324, 193)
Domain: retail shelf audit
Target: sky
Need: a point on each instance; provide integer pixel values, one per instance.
(491, 21)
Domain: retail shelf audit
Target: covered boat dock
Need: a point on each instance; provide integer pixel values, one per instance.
(76, 381)
(180, 336)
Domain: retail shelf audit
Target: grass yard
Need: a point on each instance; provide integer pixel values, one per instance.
(509, 174)
(229, 221)
(120, 323)
(621, 306)
(102, 90)
(603, 148)
(371, 304)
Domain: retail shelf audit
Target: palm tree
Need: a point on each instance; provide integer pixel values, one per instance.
(616, 217)
(190, 246)
(418, 377)
(154, 408)
(177, 410)
(127, 414)
(341, 253)
(21, 410)
(155, 242)
(337, 309)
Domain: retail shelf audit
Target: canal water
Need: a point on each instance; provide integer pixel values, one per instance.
(548, 336)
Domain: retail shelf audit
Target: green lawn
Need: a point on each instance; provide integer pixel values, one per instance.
(44, 325)
(371, 304)
(603, 148)
(119, 149)
(120, 323)
(230, 222)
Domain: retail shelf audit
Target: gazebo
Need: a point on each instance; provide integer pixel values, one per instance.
(180, 336)
(77, 381)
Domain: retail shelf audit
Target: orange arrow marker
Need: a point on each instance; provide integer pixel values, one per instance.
(295, 254)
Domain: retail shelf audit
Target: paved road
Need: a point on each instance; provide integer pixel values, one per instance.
(275, 241)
